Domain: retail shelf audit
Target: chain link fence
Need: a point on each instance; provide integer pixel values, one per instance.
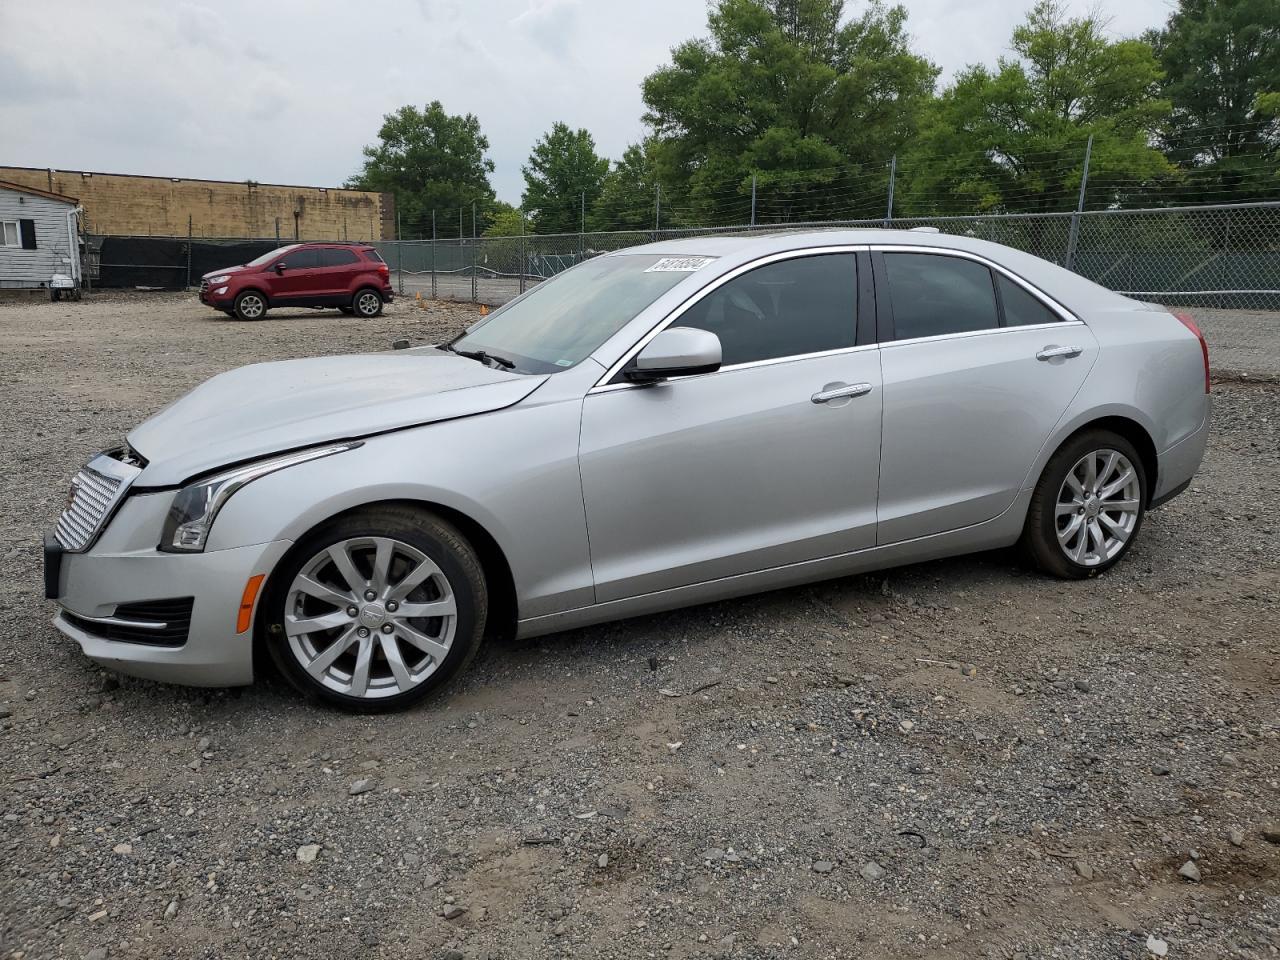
(1225, 256)
(1220, 256)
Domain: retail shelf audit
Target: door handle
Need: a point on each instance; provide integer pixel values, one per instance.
(836, 393)
(1052, 353)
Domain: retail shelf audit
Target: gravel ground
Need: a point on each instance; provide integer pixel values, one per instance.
(950, 760)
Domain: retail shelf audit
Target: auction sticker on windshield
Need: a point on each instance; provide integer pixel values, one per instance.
(679, 264)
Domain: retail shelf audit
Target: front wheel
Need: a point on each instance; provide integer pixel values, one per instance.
(1088, 507)
(374, 610)
(250, 305)
(367, 303)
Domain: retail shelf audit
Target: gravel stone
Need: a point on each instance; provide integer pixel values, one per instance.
(872, 871)
(308, 852)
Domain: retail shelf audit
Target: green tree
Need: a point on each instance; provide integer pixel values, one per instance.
(1014, 139)
(430, 160)
(629, 193)
(563, 172)
(505, 221)
(789, 92)
(1221, 59)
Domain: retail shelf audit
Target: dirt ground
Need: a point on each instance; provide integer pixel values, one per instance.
(950, 760)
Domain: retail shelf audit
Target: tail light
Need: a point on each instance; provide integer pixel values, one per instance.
(1190, 324)
(384, 269)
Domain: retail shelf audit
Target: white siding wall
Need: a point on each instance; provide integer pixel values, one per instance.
(33, 268)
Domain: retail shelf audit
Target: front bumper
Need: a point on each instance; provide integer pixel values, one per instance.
(218, 303)
(90, 586)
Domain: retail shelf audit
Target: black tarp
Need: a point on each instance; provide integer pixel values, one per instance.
(164, 262)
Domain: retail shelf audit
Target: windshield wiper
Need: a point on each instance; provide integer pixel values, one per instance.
(483, 357)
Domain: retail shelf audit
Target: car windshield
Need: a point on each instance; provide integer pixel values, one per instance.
(560, 322)
(267, 257)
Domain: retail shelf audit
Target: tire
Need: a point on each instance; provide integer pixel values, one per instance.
(367, 303)
(250, 305)
(346, 311)
(406, 657)
(1070, 531)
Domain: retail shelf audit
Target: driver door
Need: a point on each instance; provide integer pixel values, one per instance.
(772, 460)
(297, 278)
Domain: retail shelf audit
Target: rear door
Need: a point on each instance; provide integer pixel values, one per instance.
(978, 368)
(336, 272)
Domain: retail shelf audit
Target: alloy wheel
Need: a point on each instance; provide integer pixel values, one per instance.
(370, 617)
(367, 303)
(1098, 507)
(251, 306)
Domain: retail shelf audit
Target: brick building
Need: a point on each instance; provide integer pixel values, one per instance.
(131, 205)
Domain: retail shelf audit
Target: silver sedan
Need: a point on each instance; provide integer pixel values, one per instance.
(661, 426)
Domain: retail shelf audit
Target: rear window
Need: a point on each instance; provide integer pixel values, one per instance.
(373, 255)
(934, 294)
(1021, 309)
(332, 257)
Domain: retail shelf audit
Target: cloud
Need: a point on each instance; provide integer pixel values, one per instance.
(289, 91)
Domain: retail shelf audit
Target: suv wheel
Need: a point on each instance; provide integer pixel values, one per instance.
(251, 305)
(367, 303)
(1087, 508)
(374, 610)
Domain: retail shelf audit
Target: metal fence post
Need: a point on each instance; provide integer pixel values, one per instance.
(1074, 236)
(188, 284)
(524, 263)
(753, 201)
(433, 255)
(474, 244)
(893, 177)
(657, 210)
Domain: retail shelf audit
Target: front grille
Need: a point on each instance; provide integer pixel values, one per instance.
(204, 287)
(157, 623)
(95, 493)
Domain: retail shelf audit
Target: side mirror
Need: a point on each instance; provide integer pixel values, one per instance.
(676, 352)
(280, 266)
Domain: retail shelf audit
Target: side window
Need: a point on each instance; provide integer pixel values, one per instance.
(329, 257)
(1021, 309)
(933, 294)
(792, 307)
(9, 235)
(299, 259)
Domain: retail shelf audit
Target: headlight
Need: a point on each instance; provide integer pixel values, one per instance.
(186, 528)
(220, 278)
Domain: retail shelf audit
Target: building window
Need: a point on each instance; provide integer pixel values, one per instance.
(10, 236)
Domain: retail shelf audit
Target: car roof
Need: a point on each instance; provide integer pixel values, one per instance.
(1063, 285)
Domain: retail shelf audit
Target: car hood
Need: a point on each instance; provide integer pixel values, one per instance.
(223, 270)
(267, 408)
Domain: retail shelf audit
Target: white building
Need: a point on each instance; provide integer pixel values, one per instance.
(39, 238)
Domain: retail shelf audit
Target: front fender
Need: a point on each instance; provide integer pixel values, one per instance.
(513, 471)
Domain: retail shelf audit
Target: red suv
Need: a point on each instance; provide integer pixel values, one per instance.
(349, 276)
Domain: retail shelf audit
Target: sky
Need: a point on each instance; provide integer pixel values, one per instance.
(288, 91)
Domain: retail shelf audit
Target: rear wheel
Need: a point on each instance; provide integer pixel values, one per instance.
(374, 610)
(1088, 507)
(367, 303)
(251, 305)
